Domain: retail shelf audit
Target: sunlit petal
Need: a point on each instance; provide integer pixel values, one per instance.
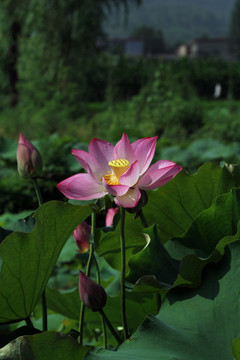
(82, 187)
(144, 152)
(89, 163)
(124, 150)
(102, 151)
(158, 174)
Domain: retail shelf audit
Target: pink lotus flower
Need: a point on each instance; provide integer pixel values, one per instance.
(81, 236)
(91, 294)
(28, 158)
(121, 171)
(110, 215)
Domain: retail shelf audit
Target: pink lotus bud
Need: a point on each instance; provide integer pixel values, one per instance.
(81, 236)
(28, 159)
(91, 294)
(110, 215)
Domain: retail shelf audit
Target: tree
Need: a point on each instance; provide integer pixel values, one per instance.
(11, 20)
(234, 33)
(50, 48)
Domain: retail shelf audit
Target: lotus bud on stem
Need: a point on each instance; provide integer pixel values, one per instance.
(29, 160)
(29, 164)
(94, 297)
(82, 235)
(91, 294)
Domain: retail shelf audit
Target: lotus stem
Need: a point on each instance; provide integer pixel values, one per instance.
(102, 318)
(123, 271)
(38, 191)
(29, 322)
(111, 328)
(104, 331)
(88, 270)
(44, 303)
(44, 312)
(98, 271)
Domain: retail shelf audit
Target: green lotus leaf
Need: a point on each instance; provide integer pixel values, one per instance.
(202, 323)
(28, 259)
(48, 345)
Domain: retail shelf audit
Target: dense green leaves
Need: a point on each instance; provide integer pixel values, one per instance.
(188, 259)
(28, 259)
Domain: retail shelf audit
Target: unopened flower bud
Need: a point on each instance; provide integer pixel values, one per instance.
(110, 215)
(81, 236)
(29, 160)
(91, 294)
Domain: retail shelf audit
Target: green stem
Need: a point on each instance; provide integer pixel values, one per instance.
(44, 312)
(98, 271)
(104, 331)
(44, 303)
(81, 320)
(142, 217)
(102, 319)
(29, 322)
(123, 271)
(89, 264)
(111, 328)
(38, 191)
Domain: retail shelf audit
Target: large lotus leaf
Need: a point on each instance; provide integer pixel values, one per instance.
(193, 323)
(28, 259)
(175, 205)
(236, 348)
(209, 227)
(48, 345)
(191, 266)
(202, 244)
